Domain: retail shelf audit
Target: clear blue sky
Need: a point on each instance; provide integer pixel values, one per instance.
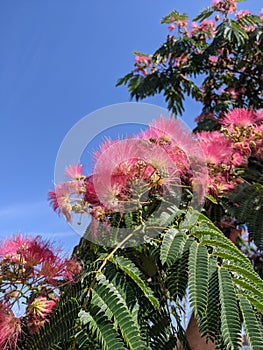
(60, 60)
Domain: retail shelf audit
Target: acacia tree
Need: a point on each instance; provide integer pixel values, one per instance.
(219, 64)
(130, 296)
(150, 246)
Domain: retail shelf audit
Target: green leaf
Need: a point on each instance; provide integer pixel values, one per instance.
(130, 269)
(230, 320)
(172, 245)
(207, 12)
(210, 322)
(117, 305)
(175, 15)
(253, 327)
(198, 278)
(243, 272)
(101, 328)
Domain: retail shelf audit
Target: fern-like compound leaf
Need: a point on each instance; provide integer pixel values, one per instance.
(198, 278)
(253, 327)
(230, 320)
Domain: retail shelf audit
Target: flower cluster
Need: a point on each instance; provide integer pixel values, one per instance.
(188, 51)
(31, 273)
(203, 31)
(143, 64)
(134, 173)
(240, 137)
(225, 6)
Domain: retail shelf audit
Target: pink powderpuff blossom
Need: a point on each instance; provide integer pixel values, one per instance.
(216, 146)
(261, 14)
(41, 307)
(259, 117)
(213, 59)
(225, 6)
(72, 269)
(182, 23)
(60, 200)
(74, 172)
(38, 312)
(239, 117)
(171, 27)
(91, 196)
(243, 13)
(10, 328)
(142, 59)
(12, 248)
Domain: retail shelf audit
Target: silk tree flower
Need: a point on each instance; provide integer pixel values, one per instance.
(129, 167)
(261, 15)
(125, 170)
(10, 328)
(67, 193)
(60, 200)
(216, 146)
(225, 6)
(207, 28)
(239, 118)
(14, 250)
(38, 311)
(242, 13)
(74, 172)
(72, 269)
(175, 139)
(30, 268)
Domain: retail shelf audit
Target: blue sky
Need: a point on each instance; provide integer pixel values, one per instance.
(60, 61)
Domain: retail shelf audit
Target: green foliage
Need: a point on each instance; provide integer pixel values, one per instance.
(58, 330)
(245, 203)
(129, 268)
(101, 329)
(131, 306)
(175, 78)
(252, 324)
(171, 246)
(198, 278)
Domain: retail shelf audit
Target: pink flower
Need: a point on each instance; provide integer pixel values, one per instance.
(206, 28)
(41, 307)
(74, 172)
(225, 6)
(182, 23)
(91, 195)
(260, 116)
(242, 13)
(60, 200)
(238, 159)
(239, 117)
(12, 248)
(261, 14)
(10, 328)
(38, 311)
(142, 59)
(72, 269)
(213, 59)
(216, 146)
(171, 27)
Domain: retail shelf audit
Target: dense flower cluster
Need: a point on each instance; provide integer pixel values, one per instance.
(227, 150)
(30, 274)
(228, 86)
(225, 6)
(132, 173)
